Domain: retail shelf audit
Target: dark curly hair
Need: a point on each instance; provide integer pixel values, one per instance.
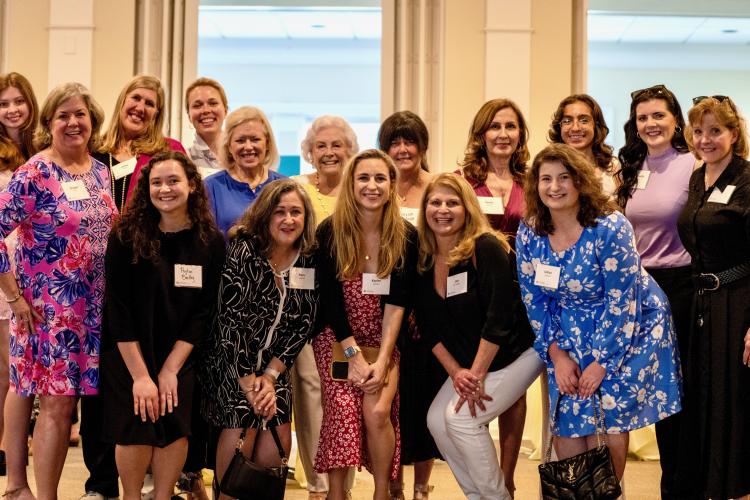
(408, 126)
(602, 152)
(475, 163)
(139, 225)
(593, 202)
(633, 153)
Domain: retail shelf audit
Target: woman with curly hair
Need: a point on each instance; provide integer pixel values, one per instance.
(579, 123)
(603, 326)
(162, 266)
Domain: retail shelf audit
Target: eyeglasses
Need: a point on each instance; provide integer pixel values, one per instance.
(720, 98)
(655, 90)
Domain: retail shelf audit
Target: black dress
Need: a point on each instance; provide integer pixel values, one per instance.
(715, 454)
(143, 304)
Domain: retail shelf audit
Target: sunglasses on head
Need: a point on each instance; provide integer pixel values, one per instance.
(655, 90)
(720, 98)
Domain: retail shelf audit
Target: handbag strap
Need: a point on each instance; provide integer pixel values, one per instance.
(601, 430)
(275, 435)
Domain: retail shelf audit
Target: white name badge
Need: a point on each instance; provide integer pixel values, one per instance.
(75, 190)
(410, 214)
(124, 168)
(491, 205)
(718, 196)
(302, 278)
(372, 285)
(643, 176)
(457, 284)
(547, 276)
(187, 276)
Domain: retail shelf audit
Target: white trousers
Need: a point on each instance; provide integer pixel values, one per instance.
(465, 441)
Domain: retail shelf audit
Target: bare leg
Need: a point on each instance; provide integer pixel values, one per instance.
(381, 438)
(566, 447)
(166, 465)
(225, 451)
(132, 465)
(618, 448)
(422, 472)
(337, 483)
(51, 435)
(17, 416)
(4, 383)
(511, 424)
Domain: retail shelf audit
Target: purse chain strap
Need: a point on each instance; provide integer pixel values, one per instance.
(601, 430)
(275, 435)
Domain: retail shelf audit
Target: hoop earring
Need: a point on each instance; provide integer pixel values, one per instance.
(678, 129)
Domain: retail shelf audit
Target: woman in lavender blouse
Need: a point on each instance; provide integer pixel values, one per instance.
(652, 190)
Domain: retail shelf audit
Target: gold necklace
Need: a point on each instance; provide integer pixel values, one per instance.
(121, 206)
(321, 201)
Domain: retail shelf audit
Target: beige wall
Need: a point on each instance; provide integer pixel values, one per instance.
(28, 42)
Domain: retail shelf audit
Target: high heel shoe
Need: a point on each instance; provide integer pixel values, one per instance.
(396, 490)
(422, 491)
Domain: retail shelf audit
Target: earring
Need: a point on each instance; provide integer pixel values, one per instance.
(678, 129)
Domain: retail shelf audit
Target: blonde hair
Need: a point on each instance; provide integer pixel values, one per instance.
(475, 224)
(726, 114)
(347, 229)
(206, 82)
(152, 141)
(55, 99)
(243, 115)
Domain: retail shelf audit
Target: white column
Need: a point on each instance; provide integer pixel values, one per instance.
(71, 33)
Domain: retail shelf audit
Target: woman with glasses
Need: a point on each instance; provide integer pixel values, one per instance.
(652, 190)
(715, 228)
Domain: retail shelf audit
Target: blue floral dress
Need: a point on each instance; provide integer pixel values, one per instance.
(606, 308)
(60, 269)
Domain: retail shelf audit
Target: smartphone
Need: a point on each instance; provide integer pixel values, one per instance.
(340, 371)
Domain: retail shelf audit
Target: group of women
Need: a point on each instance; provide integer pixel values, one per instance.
(387, 300)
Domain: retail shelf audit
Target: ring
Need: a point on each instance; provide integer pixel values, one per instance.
(169, 394)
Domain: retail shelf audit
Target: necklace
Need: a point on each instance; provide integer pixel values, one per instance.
(120, 205)
(275, 271)
(322, 201)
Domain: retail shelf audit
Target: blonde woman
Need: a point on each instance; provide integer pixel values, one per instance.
(206, 106)
(249, 155)
(366, 260)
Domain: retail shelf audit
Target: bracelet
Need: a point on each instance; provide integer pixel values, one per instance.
(273, 373)
(14, 299)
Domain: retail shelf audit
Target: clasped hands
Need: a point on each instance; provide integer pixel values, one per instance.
(152, 402)
(571, 381)
(470, 389)
(260, 392)
(368, 377)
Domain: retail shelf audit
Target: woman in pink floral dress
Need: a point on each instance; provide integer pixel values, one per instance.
(61, 203)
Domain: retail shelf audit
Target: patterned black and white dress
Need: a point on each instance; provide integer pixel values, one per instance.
(256, 322)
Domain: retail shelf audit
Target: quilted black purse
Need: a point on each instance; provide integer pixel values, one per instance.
(586, 476)
(244, 479)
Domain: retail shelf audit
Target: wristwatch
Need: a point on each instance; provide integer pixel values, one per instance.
(351, 351)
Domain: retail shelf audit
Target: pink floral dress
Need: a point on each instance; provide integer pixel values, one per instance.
(60, 269)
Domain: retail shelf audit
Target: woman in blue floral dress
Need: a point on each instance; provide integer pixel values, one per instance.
(61, 203)
(602, 324)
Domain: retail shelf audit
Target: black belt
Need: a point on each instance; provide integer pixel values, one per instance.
(708, 282)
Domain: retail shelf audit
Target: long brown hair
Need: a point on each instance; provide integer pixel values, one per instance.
(475, 224)
(593, 202)
(139, 225)
(347, 230)
(11, 155)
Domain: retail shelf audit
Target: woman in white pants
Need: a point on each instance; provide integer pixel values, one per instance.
(468, 307)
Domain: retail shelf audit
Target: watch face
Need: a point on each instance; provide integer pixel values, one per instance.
(349, 352)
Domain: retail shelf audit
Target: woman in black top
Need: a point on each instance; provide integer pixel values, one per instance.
(162, 267)
(715, 228)
(469, 309)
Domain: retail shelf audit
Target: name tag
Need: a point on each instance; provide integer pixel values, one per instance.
(457, 284)
(372, 285)
(491, 205)
(547, 276)
(124, 168)
(410, 214)
(718, 196)
(302, 278)
(75, 190)
(187, 276)
(643, 176)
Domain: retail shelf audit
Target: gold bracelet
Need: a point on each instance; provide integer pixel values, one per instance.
(14, 299)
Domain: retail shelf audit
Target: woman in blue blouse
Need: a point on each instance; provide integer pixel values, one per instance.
(602, 324)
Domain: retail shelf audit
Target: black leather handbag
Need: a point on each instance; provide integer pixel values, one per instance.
(244, 479)
(587, 476)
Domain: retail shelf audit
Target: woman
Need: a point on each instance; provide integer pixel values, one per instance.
(713, 227)
(19, 115)
(602, 325)
(162, 266)
(248, 154)
(365, 267)
(579, 123)
(206, 105)
(467, 305)
(267, 304)
(652, 189)
(135, 135)
(494, 164)
(61, 201)
(327, 146)
(404, 137)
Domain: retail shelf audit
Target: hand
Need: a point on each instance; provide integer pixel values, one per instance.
(466, 383)
(567, 374)
(26, 317)
(377, 378)
(145, 398)
(589, 381)
(359, 370)
(167, 391)
(473, 402)
(746, 353)
(264, 402)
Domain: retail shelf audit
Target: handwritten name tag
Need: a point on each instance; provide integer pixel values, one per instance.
(187, 276)
(124, 168)
(302, 278)
(410, 214)
(372, 285)
(643, 176)
(457, 284)
(491, 205)
(547, 276)
(75, 190)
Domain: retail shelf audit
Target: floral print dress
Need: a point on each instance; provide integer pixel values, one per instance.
(606, 308)
(60, 270)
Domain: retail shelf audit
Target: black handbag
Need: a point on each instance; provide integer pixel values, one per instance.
(587, 476)
(244, 479)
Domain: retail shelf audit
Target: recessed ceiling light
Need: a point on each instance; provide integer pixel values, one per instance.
(318, 26)
(729, 30)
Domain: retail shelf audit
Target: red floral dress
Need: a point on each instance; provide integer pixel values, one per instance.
(343, 442)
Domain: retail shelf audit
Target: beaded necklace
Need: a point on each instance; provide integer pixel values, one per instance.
(121, 205)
